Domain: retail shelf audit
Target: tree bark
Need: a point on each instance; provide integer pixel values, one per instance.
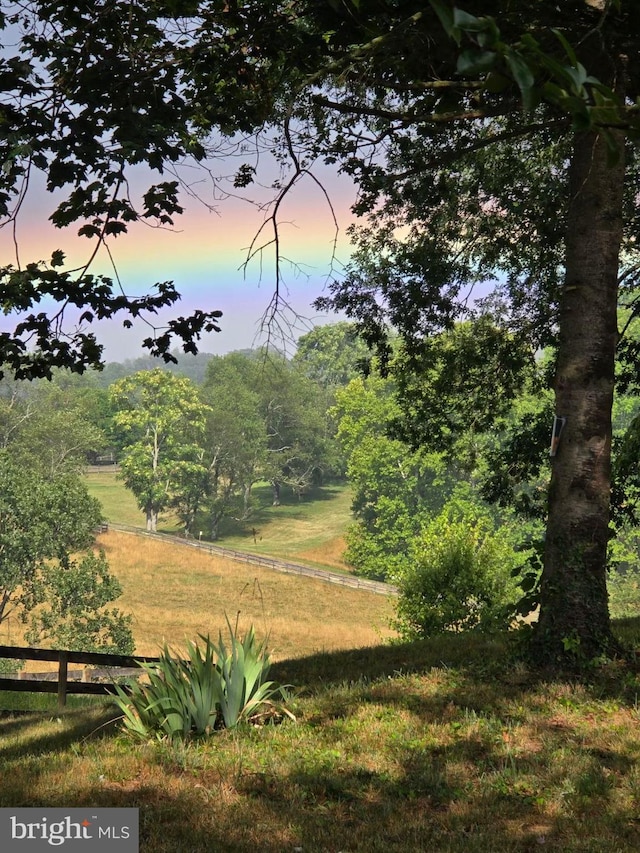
(574, 624)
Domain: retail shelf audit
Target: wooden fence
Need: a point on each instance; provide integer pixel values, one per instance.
(285, 566)
(63, 685)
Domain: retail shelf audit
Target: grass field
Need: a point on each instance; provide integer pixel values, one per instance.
(448, 746)
(175, 592)
(310, 531)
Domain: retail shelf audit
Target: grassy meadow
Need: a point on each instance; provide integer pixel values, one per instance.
(309, 531)
(175, 592)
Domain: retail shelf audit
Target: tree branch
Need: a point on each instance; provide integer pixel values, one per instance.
(456, 153)
(406, 118)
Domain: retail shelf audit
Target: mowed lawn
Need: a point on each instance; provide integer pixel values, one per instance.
(175, 592)
(450, 746)
(310, 530)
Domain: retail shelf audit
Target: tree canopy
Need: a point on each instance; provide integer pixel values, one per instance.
(162, 419)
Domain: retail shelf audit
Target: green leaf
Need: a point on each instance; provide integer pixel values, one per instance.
(467, 22)
(523, 76)
(496, 82)
(567, 47)
(445, 14)
(528, 582)
(475, 62)
(490, 36)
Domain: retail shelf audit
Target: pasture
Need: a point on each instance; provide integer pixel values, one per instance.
(309, 531)
(175, 592)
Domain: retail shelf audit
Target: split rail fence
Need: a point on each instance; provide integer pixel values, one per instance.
(267, 562)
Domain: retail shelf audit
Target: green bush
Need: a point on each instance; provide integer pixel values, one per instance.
(9, 666)
(460, 577)
(213, 687)
(624, 592)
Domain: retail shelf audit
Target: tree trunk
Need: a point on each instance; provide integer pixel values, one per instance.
(152, 521)
(276, 492)
(574, 625)
(246, 498)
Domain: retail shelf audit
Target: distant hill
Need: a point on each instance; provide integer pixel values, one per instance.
(192, 366)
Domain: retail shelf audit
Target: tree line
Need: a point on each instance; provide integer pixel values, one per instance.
(449, 471)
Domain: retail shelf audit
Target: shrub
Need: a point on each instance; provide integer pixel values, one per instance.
(460, 578)
(215, 686)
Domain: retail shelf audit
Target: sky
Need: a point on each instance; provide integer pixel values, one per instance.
(203, 255)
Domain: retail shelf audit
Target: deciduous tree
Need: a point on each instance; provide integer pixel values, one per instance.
(45, 520)
(163, 420)
(500, 148)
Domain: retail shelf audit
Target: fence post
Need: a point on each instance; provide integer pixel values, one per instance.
(62, 679)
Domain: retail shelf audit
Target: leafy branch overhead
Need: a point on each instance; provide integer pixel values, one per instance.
(40, 343)
(87, 94)
(561, 82)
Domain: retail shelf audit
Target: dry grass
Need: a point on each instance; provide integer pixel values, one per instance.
(330, 554)
(174, 593)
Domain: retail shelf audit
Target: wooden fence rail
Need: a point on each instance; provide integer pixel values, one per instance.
(285, 566)
(64, 657)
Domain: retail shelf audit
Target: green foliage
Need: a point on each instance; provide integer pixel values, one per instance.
(129, 89)
(243, 668)
(460, 577)
(43, 520)
(162, 419)
(236, 436)
(46, 426)
(459, 384)
(215, 686)
(73, 612)
(332, 355)
(396, 489)
(623, 586)
(267, 420)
